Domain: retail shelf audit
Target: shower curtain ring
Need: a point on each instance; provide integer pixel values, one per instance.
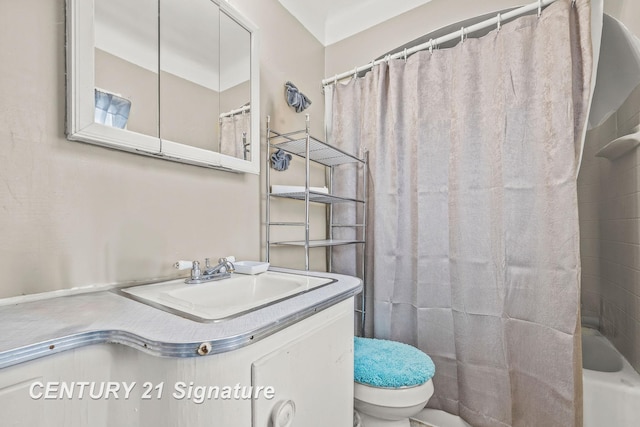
(431, 46)
(387, 58)
(539, 8)
(355, 73)
(461, 34)
(499, 21)
(405, 54)
(335, 79)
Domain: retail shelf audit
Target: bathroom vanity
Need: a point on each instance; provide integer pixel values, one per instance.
(104, 359)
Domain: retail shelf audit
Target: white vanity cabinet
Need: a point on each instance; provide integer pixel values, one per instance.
(314, 372)
(309, 363)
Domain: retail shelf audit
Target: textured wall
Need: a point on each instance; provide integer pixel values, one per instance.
(289, 52)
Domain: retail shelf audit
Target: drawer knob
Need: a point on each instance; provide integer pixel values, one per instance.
(283, 413)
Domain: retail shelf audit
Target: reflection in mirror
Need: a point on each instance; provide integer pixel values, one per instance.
(189, 73)
(126, 65)
(235, 88)
(235, 132)
(112, 109)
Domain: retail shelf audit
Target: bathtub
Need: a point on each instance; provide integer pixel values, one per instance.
(611, 386)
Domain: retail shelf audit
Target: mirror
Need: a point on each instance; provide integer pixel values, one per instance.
(190, 73)
(126, 65)
(235, 86)
(173, 79)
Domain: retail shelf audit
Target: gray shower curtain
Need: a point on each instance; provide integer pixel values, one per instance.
(473, 243)
(235, 131)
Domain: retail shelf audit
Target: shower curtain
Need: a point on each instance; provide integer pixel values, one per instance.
(234, 134)
(473, 243)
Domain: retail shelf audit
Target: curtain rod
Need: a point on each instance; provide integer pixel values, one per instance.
(243, 109)
(461, 33)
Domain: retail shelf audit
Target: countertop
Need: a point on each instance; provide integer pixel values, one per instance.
(35, 329)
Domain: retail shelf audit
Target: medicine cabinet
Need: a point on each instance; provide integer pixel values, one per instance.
(173, 79)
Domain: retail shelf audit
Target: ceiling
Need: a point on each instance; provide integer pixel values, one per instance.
(333, 20)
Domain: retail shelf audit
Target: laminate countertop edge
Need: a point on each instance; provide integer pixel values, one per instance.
(36, 329)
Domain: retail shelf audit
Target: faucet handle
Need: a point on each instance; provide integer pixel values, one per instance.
(183, 265)
(195, 271)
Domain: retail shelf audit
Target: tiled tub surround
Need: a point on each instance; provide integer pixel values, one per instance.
(609, 204)
(76, 334)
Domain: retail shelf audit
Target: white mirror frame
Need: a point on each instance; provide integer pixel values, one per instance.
(81, 100)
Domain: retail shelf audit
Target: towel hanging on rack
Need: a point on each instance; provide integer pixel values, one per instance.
(295, 98)
(280, 160)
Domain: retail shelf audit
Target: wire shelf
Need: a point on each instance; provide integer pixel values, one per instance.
(318, 243)
(316, 197)
(319, 152)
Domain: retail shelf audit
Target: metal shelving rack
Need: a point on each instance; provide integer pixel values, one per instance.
(301, 143)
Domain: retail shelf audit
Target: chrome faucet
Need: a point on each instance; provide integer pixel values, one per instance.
(221, 271)
(223, 265)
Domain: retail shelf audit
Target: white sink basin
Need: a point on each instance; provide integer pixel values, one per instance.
(228, 297)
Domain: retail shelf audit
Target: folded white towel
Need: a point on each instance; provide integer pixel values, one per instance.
(279, 189)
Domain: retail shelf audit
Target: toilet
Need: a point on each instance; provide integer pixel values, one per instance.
(392, 382)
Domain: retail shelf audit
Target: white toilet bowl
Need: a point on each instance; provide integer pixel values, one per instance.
(390, 407)
(392, 382)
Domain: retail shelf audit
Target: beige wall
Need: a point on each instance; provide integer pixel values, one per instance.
(73, 214)
(289, 53)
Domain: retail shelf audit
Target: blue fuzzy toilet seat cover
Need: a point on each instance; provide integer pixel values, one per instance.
(383, 363)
